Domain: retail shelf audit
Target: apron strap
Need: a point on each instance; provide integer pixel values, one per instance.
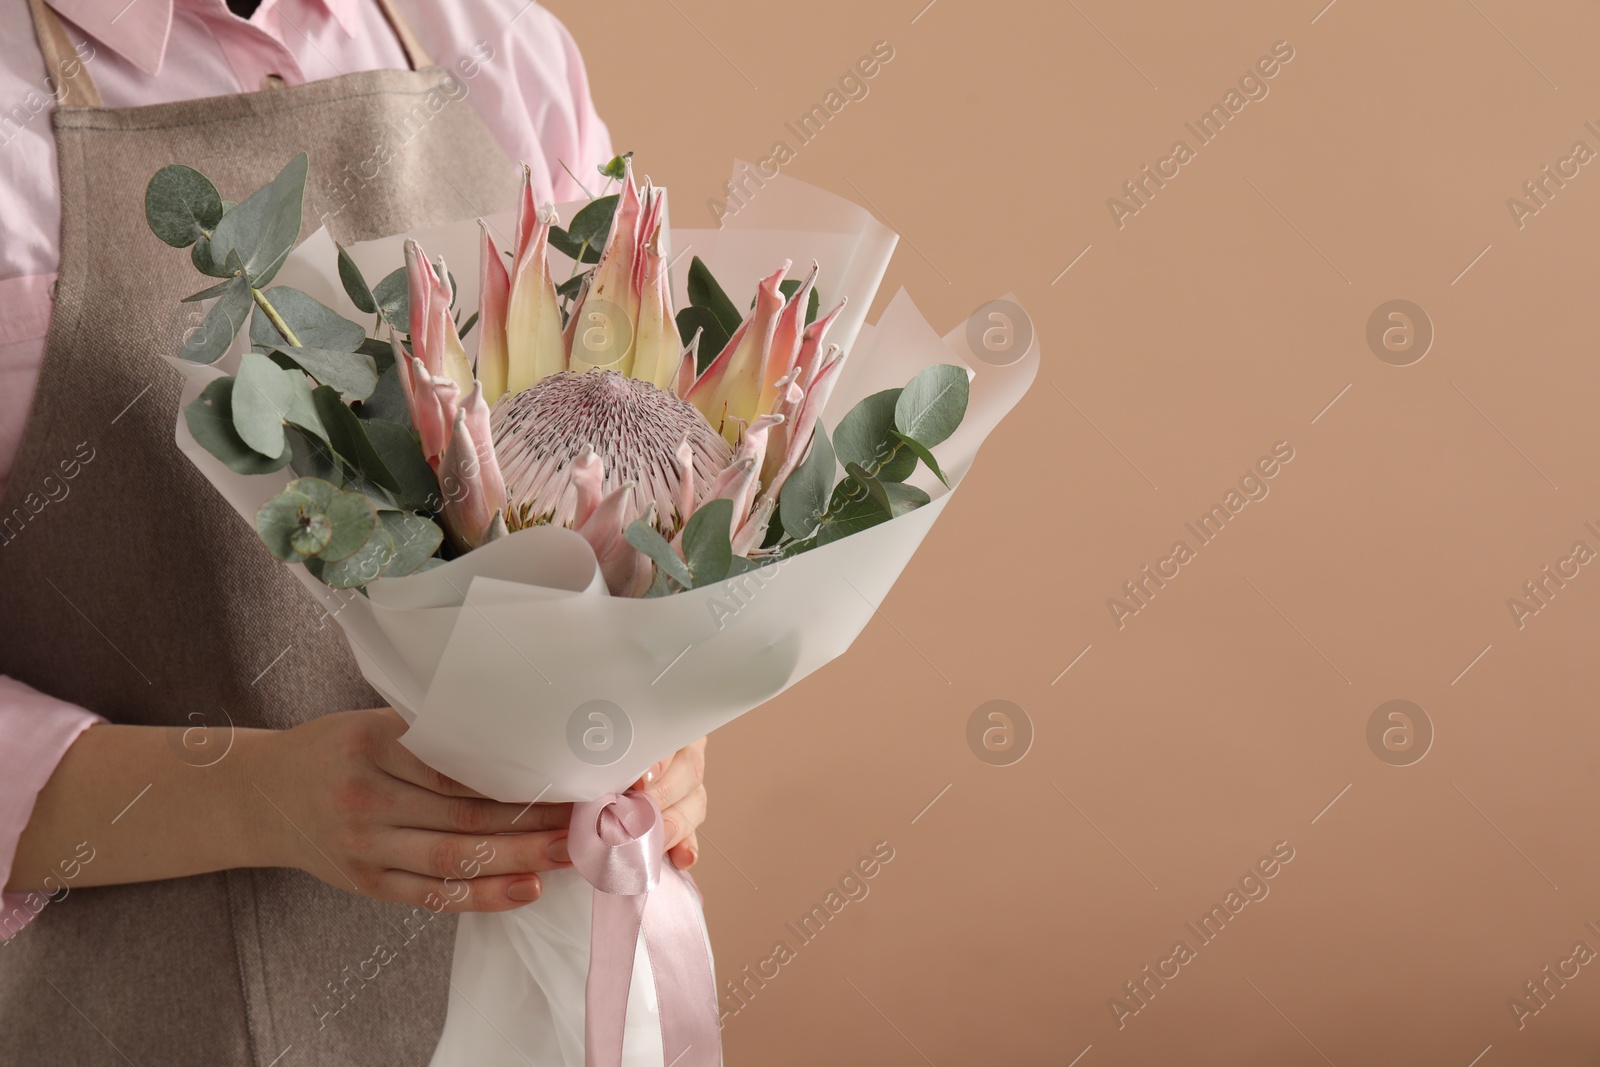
(65, 71)
(415, 53)
(75, 87)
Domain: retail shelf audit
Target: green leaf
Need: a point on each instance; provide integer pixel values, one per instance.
(706, 546)
(873, 487)
(593, 221)
(393, 297)
(388, 398)
(705, 292)
(903, 498)
(210, 419)
(355, 286)
(568, 289)
(562, 242)
(220, 326)
(292, 527)
(367, 565)
(181, 205)
(804, 496)
(207, 293)
(617, 167)
(302, 408)
(263, 228)
(311, 458)
(262, 396)
(315, 324)
(401, 453)
(713, 338)
(351, 516)
(348, 437)
(353, 374)
(866, 436)
(922, 453)
(204, 262)
(415, 539)
(856, 515)
(788, 289)
(646, 539)
(464, 328)
(932, 404)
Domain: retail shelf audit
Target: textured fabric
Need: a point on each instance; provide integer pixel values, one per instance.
(517, 65)
(142, 596)
(37, 730)
(522, 75)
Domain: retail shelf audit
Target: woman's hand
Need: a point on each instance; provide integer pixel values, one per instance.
(342, 799)
(678, 785)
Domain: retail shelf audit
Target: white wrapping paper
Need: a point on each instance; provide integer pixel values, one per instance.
(524, 679)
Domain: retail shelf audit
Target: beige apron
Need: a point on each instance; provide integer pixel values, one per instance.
(131, 588)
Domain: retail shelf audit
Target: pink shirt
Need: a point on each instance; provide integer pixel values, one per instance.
(521, 71)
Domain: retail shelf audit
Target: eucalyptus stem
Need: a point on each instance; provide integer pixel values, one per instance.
(273, 317)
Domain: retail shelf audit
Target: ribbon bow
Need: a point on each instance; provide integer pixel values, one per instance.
(616, 843)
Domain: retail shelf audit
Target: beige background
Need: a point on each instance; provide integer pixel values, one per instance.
(1229, 713)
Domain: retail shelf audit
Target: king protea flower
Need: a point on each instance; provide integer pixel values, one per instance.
(602, 420)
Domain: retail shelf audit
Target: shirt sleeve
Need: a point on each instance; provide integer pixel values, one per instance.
(35, 732)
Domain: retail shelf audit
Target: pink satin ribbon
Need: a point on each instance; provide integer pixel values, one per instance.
(616, 843)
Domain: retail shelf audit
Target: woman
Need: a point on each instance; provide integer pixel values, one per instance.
(228, 865)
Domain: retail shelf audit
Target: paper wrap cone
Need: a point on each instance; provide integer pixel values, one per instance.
(524, 679)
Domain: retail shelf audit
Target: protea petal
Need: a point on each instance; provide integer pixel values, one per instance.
(419, 288)
(534, 347)
(434, 414)
(688, 365)
(610, 311)
(494, 286)
(730, 388)
(752, 447)
(468, 509)
(805, 422)
(786, 340)
(626, 569)
(657, 347)
(570, 330)
(809, 361)
(778, 439)
(476, 410)
(754, 530)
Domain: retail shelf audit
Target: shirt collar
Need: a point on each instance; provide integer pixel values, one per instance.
(140, 30)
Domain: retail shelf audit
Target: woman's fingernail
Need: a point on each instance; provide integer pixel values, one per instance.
(558, 852)
(649, 776)
(694, 857)
(523, 889)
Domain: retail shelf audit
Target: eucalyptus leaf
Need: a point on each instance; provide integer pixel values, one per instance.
(415, 539)
(200, 254)
(351, 516)
(920, 450)
(221, 324)
(856, 515)
(904, 498)
(804, 496)
(366, 565)
(263, 228)
(353, 374)
(592, 222)
(393, 297)
(388, 397)
(262, 395)
(348, 437)
(871, 484)
(210, 420)
(706, 545)
(302, 408)
(932, 404)
(207, 293)
(646, 539)
(310, 457)
(568, 289)
(617, 167)
(713, 338)
(401, 453)
(292, 526)
(355, 286)
(866, 436)
(181, 205)
(705, 292)
(561, 240)
(315, 324)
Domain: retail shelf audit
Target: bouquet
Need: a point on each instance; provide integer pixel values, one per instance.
(573, 510)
